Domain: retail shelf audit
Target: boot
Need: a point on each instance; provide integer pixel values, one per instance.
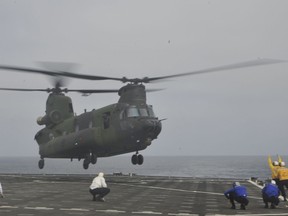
(242, 207)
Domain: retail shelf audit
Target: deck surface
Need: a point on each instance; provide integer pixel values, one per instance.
(29, 195)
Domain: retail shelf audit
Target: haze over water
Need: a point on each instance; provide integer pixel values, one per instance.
(238, 167)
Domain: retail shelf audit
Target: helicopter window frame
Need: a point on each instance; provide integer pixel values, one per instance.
(143, 112)
(151, 111)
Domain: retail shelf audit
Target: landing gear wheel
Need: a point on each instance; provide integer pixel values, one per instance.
(140, 159)
(86, 163)
(134, 159)
(93, 159)
(41, 164)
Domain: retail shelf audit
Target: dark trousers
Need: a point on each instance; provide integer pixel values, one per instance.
(242, 200)
(273, 200)
(101, 192)
(281, 187)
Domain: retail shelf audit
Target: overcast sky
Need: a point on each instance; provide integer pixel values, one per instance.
(236, 112)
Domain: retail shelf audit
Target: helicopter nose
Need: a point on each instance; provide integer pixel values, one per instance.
(152, 126)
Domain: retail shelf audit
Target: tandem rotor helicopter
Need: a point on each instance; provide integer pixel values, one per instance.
(129, 125)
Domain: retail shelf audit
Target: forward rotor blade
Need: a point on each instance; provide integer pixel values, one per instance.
(57, 73)
(26, 90)
(245, 64)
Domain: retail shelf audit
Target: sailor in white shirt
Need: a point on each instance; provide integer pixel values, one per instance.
(99, 188)
(1, 191)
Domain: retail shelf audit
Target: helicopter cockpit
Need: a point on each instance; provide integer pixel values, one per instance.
(135, 111)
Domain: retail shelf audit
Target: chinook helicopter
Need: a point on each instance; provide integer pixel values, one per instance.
(129, 125)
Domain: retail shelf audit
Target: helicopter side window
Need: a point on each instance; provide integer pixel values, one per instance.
(106, 120)
(132, 112)
(71, 108)
(143, 112)
(150, 111)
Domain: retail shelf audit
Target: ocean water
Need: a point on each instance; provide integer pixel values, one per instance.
(236, 167)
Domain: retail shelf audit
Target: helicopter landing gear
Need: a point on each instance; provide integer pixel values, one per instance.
(90, 158)
(41, 163)
(93, 158)
(86, 163)
(137, 159)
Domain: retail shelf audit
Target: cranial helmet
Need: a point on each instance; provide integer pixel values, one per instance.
(282, 164)
(236, 184)
(273, 182)
(101, 174)
(275, 163)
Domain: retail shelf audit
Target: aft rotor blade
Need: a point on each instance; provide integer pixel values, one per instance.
(245, 64)
(91, 91)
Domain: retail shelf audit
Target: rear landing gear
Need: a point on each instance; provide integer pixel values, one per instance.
(137, 159)
(41, 163)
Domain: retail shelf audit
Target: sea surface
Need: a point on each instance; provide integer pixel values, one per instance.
(235, 167)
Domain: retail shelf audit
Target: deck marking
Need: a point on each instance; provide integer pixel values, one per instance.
(111, 211)
(38, 208)
(147, 212)
(8, 207)
(73, 209)
(25, 214)
(183, 214)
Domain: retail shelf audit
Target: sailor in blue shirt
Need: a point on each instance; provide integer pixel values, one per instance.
(239, 194)
(270, 193)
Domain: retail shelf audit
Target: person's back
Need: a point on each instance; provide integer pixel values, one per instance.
(98, 188)
(240, 191)
(270, 190)
(98, 182)
(270, 194)
(283, 173)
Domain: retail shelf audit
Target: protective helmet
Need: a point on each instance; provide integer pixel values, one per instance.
(236, 184)
(273, 182)
(282, 164)
(275, 163)
(101, 174)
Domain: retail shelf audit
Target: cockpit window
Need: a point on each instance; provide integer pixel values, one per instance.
(143, 112)
(150, 111)
(132, 112)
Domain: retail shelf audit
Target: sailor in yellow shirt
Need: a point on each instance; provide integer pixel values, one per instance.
(283, 179)
(274, 166)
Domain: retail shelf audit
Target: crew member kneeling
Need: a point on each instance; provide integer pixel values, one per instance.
(270, 194)
(98, 188)
(239, 194)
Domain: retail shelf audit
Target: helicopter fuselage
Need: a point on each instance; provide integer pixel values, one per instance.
(115, 129)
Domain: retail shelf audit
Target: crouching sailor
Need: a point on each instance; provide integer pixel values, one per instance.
(237, 193)
(99, 188)
(270, 194)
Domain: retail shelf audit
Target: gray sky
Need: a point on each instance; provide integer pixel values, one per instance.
(237, 112)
